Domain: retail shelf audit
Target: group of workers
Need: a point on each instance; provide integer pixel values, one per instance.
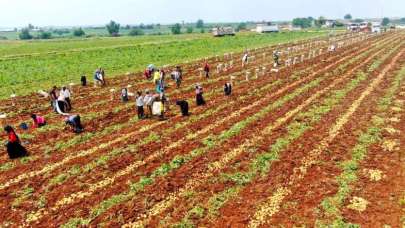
(154, 103)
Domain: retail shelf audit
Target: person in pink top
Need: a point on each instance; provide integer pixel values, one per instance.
(38, 121)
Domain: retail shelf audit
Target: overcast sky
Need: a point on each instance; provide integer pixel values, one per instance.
(15, 13)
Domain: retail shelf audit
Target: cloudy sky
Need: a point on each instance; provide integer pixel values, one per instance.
(95, 12)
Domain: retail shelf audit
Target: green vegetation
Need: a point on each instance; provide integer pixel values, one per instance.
(25, 34)
(176, 29)
(332, 205)
(36, 69)
(303, 22)
(385, 21)
(78, 32)
(348, 16)
(113, 28)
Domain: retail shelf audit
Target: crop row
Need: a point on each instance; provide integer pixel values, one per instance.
(210, 139)
(199, 179)
(272, 203)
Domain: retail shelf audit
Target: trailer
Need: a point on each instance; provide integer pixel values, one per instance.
(223, 31)
(266, 28)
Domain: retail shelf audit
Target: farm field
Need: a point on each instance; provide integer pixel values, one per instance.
(27, 67)
(319, 143)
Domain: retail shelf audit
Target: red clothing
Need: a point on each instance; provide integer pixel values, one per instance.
(12, 137)
(206, 67)
(146, 74)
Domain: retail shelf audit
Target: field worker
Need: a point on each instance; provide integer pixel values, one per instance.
(83, 80)
(148, 73)
(14, 147)
(75, 124)
(156, 77)
(207, 70)
(183, 107)
(65, 92)
(97, 78)
(139, 105)
(228, 89)
(54, 97)
(102, 77)
(178, 69)
(199, 95)
(164, 106)
(37, 121)
(148, 101)
(124, 95)
(276, 57)
(61, 105)
(245, 59)
(162, 73)
(177, 77)
(332, 48)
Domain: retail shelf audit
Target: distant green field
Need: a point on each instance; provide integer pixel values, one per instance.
(27, 66)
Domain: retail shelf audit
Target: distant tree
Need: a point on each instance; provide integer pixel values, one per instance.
(44, 35)
(200, 24)
(320, 21)
(158, 26)
(60, 32)
(339, 24)
(402, 20)
(358, 20)
(78, 32)
(190, 29)
(25, 34)
(176, 29)
(113, 28)
(302, 22)
(241, 26)
(136, 32)
(348, 16)
(202, 30)
(385, 21)
(142, 26)
(30, 27)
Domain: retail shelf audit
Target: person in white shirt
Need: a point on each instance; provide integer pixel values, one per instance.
(139, 105)
(148, 101)
(245, 59)
(61, 105)
(65, 92)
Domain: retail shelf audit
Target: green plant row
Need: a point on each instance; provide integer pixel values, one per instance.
(209, 143)
(350, 168)
(260, 165)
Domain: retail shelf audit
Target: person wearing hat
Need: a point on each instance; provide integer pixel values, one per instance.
(74, 122)
(14, 147)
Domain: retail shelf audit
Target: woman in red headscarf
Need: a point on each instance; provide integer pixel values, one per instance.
(14, 147)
